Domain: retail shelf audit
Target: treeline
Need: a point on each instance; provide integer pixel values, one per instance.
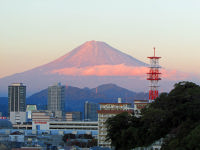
(81, 140)
(174, 116)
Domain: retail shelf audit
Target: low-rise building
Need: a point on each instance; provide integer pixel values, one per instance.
(73, 125)
(18, 117)
(73, 116)
(29, 109)
(40, 119)
(41, 115)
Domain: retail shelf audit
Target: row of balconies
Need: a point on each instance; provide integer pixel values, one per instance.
(105, 115)
(114, 107)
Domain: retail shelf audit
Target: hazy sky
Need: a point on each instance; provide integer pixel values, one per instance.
(34, 32)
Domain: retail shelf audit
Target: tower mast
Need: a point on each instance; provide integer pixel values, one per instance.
(153, 76)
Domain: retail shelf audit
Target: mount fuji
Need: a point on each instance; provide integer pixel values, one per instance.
(91, 64)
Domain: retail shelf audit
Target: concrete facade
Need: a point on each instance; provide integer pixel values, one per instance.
(56, 100)
(17, 117)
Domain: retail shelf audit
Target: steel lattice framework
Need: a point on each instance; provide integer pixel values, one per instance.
(153, 76)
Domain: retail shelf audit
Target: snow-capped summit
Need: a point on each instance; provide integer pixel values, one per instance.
(93, 53)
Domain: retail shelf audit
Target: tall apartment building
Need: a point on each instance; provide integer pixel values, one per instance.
(56, 100)
(90, 111)
(109, 110)
(17, 102)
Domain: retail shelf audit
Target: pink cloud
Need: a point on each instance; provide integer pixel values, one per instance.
(118, 70)
(104, 70)
(174, 74)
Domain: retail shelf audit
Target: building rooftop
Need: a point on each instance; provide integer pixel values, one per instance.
(31, 107)
(17, 84)
(113, 111)
(116, 103)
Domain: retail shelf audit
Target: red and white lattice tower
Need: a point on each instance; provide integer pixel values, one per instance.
(153, 76)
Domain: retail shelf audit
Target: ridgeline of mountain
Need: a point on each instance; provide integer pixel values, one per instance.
(114, 91)
(75, 97)
(91, 64)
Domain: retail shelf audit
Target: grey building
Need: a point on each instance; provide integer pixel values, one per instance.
(56, 99)
(17, 102)
(90, 111)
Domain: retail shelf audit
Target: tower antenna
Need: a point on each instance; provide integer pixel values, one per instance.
(153, 76)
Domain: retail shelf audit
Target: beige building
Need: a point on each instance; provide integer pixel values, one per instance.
(106, 111)
(74, 125)
(40, 119)
(73, 116)
(41, 115)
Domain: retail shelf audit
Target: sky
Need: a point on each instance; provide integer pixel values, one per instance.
(35, 32)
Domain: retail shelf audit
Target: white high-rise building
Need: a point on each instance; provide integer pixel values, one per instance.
(56, 99)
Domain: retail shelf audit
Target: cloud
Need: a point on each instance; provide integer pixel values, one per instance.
(118, 70)
(104, 70)
(174, 74)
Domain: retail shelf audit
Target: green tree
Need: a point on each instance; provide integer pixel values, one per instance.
(117, 130)
(174, 116)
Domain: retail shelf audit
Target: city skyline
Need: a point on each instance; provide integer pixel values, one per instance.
(36, 32)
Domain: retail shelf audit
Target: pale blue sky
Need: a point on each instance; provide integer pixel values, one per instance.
(34, 32)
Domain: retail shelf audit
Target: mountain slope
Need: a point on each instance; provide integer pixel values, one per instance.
(75, 97)
(93, 53)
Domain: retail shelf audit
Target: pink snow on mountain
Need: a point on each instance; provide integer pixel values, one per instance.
(94, 58)
(93, 53)
(104, 70)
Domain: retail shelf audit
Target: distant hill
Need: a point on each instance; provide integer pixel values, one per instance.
(114, 91)
(75, 97)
